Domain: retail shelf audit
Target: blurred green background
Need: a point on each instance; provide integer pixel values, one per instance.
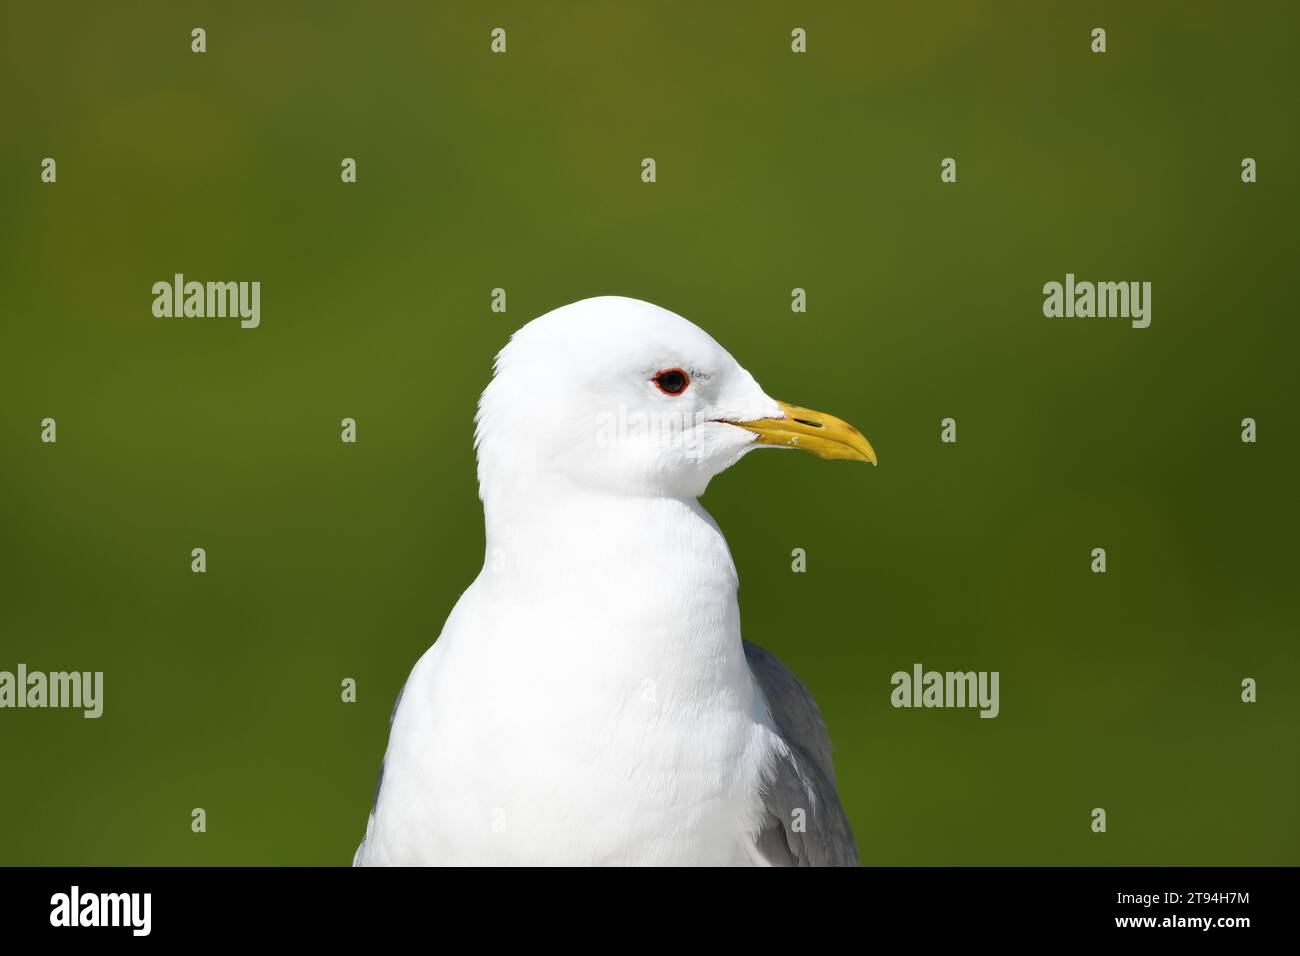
(775, 170)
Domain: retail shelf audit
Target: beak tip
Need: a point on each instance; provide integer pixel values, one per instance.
(823, 435)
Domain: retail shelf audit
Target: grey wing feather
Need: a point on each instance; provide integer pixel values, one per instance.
(802, 778)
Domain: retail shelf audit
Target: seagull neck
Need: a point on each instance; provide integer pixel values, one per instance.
(544, 541)
(630, 585)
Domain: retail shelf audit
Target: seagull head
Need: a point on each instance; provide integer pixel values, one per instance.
(617, 396)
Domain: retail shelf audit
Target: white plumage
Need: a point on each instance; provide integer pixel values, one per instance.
(590, 700)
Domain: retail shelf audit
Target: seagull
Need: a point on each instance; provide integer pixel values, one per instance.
(590, 701)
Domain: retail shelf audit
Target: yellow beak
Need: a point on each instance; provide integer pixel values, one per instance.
(823, 435)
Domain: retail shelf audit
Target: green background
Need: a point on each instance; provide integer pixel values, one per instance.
(775, 170)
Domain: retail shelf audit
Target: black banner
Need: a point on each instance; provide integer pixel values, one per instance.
(1162, 906)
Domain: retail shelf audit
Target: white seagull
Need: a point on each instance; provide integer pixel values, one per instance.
(590, 700)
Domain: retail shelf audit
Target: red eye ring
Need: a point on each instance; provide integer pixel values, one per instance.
(671, 381)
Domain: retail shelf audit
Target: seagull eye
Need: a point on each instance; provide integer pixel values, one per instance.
(672, 381)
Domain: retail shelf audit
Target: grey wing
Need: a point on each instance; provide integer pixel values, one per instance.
(802, 778)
